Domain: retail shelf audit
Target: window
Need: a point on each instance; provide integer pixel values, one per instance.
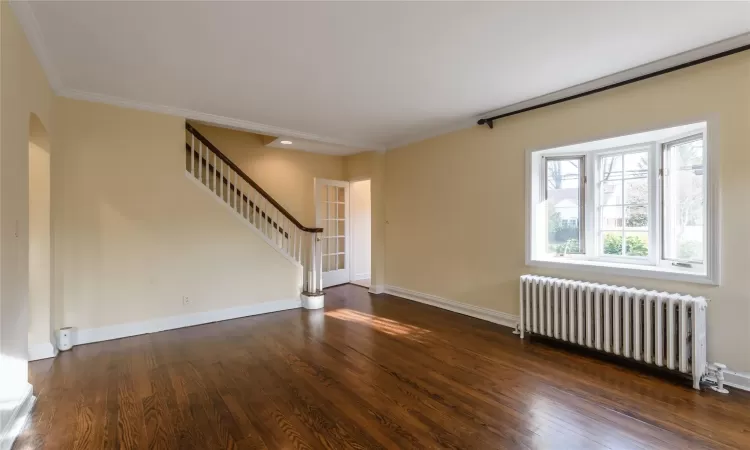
(564, 195)
(637, 203)
(683, 181)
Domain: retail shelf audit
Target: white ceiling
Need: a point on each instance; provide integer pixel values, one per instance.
(367, 75)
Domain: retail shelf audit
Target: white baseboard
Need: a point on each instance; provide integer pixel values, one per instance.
(42, 351)
(360, 276)
(89, 335)
(736, 380)
(377, 289)
(17, 418)
(490, 315)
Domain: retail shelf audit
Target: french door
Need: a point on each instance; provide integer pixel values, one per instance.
(332, 212)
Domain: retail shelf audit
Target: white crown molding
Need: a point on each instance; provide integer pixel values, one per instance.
(644, 69)
(25, 15)
(490, 315)
(224, 121)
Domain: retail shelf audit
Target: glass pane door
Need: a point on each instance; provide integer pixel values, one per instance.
(333, 216)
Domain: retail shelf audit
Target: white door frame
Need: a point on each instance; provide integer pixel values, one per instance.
(344, 276)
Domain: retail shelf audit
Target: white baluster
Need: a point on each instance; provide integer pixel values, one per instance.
(233, 188)
(221, 178)
(283, 233)
(254, 204)
(208, 152)
(192, 149)
(237, 195)
(266, 219)
(247, 202)
(279, 240)
(211, 176)
(287, 236)
(196, 152)
(299, 246)
(263, 217)
(293, 242)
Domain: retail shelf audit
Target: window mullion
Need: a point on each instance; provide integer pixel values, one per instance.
(622, 193)
(655, 209)
(590, 208)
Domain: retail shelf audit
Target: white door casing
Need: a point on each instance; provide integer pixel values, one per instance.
(332, 214)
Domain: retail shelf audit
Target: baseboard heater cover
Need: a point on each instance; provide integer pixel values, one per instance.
(658, 328)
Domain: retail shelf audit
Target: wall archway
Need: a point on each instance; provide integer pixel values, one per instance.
(41, 335)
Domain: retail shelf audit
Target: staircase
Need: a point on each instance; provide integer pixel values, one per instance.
(298, 243)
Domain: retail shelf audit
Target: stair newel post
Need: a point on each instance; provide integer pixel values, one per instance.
(309, 263)
(319, 258)
(315, 265)
(312, 298)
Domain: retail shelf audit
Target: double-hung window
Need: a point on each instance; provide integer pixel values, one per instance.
(638, 204)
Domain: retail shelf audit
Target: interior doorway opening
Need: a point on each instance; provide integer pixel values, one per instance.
(361, 232)
(40, 242)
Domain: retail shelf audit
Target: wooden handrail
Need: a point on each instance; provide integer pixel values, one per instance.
(244, 176)
(235, 189)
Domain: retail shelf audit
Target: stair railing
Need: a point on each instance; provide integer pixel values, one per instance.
(208, 165)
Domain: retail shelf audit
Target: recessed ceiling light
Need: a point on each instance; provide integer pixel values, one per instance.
(286, 142)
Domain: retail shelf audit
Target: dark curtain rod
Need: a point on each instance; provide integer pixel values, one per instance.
(489, 120)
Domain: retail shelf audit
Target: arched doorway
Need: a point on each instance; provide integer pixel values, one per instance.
(40, 315)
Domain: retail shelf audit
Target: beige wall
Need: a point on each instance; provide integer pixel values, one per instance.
(23, 91)
(285, 174)
(456, 209)
(138, 234)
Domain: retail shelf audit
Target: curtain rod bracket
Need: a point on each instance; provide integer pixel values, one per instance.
(489, 123)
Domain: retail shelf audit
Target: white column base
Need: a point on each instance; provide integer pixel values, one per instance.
(377, 289)
(312, 301)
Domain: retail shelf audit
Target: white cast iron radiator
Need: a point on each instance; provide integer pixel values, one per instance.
(666, 330)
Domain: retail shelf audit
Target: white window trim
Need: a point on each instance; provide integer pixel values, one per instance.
(617, 267)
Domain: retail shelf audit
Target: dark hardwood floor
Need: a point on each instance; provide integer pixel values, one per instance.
(367, 372)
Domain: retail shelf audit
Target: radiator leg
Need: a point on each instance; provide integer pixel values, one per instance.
(718, 370)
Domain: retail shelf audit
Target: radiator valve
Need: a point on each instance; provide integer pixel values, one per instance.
(718, 371)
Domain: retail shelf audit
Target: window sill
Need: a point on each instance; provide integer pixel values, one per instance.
(619, 269)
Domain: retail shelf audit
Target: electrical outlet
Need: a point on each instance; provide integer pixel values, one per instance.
(185, 300)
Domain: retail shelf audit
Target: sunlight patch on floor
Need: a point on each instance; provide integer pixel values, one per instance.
(387, 326)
